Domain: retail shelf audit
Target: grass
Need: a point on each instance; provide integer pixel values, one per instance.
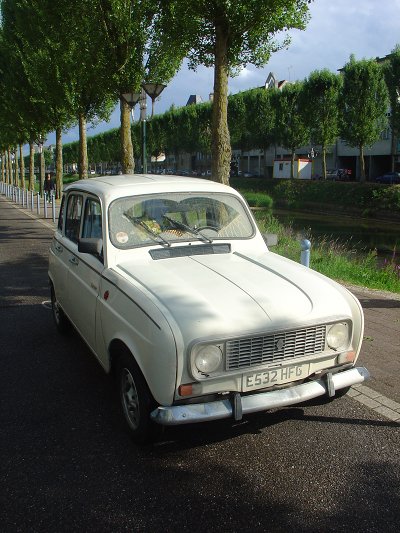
(335, 260)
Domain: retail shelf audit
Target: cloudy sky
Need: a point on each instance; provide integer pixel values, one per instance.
(365, 28)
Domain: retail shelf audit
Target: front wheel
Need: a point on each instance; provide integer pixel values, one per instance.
(136, 401)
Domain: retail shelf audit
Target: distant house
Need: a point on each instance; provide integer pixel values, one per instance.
(194, 99)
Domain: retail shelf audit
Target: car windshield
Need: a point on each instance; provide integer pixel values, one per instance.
(176, 217)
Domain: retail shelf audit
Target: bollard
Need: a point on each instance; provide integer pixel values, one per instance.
(45, 207)
(38, 204)
(31, 200)
(53, 207)
(305, 252)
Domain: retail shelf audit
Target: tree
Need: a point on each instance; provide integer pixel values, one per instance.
(320, 103)
(227, 36)
(139, 48)
(391, 70)
(363, 105)
(291, 129)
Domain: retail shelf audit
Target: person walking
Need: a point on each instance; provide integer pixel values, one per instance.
(48, 187)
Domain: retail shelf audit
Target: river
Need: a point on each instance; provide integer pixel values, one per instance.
(361, 234)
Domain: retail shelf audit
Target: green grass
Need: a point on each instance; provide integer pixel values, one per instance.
(335, 260)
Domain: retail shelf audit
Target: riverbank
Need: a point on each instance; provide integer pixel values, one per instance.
(333, 258)
(369, 200)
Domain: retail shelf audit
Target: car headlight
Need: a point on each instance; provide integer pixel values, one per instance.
(207, 359)
(338, 335)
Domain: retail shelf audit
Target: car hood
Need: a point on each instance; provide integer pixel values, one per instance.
(235, 294)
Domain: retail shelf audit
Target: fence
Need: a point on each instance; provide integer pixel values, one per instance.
(30, 200)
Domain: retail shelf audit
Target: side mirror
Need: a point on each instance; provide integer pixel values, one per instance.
(91, 246)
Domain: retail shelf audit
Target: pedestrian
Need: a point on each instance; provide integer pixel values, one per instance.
(48, 187)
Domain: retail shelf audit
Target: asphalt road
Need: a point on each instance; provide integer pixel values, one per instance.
(67, 464)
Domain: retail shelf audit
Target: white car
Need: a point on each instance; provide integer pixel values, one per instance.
(170, 283)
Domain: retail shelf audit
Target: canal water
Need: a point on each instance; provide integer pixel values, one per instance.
(359, 234)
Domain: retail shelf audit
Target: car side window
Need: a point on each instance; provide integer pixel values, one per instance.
(92, 225)
(73, 217)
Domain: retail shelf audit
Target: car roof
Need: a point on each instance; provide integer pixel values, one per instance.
(125, 185)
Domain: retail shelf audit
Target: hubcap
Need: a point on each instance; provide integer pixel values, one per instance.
(130, 399)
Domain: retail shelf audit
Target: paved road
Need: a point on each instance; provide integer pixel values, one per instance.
(67, 464)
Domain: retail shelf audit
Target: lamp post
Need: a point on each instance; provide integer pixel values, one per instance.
(132, 98)
(40, 141)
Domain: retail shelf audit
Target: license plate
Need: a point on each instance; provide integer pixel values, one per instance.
(274, 376)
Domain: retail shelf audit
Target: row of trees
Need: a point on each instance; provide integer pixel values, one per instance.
(65, 62)
(352, 105)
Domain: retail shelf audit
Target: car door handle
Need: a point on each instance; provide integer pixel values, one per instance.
(74, 260)
(58, 247)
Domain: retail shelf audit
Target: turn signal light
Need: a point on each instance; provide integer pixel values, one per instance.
(185, 390)
(346, 357)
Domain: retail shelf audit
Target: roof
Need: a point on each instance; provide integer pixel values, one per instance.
(125, 185)
(194, 99)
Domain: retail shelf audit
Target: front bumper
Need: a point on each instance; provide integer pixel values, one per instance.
(240, 405)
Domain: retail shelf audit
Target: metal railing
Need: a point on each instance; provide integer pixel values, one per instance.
(30, 200)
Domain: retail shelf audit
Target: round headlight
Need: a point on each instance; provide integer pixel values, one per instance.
(338, 336)
(208, 359)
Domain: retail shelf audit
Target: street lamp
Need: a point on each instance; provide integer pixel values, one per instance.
(132, 98)
(40, 142)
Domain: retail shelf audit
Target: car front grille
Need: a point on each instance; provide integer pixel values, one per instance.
(275, 347)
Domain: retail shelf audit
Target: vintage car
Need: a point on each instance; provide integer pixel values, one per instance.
(173, 288)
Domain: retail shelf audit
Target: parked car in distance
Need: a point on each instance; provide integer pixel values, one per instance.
(171, 285)
(340, 174)
(390, 178)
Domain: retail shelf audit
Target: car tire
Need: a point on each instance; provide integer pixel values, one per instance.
(136, 401)
(62, 323)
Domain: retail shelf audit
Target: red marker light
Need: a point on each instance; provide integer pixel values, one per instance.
(106, 295)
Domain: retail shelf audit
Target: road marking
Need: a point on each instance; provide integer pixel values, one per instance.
(376, 401)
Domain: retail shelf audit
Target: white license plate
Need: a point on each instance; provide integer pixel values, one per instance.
(274, 376)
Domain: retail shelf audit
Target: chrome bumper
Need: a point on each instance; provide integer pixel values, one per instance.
(237, 405)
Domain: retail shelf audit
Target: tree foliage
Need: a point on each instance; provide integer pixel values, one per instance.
(363, 105)
(320, 97)
(227, 36)
(291, 127)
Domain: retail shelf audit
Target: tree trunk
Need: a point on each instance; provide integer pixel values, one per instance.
(362, 164)
(324, 162)
(127, 159)
(31, 166)
(59, 163)
(220, 139)
(10, 174)
(22, 166)
(292, 165)
(393, 147)
(42, 171)
(16, 175)
(83, 157)
(3, 166)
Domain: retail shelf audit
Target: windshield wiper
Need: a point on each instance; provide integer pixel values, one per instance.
(153, 235)
(189, 229)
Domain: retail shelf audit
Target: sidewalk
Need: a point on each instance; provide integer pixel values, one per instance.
(380, 352)
(42, 213)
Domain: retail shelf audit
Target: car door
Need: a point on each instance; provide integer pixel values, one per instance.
(58, 261)
(85, 271)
